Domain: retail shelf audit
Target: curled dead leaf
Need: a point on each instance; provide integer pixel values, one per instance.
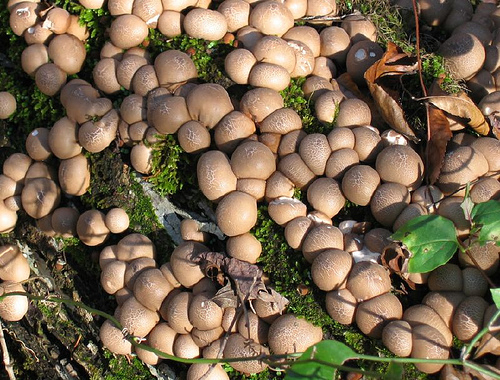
(395, 258)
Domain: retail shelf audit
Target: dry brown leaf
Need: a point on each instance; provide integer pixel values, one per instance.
(395, 258)
(440, 134)
(393, 63)
(462, 106)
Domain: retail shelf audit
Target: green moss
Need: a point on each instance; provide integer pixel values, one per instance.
(122, 368)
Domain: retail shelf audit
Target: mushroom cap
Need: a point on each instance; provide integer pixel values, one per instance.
(341, 306)
(135, 268)
(490, 148)
(170, 23)
(126, 69)
(206, 371)
(144, 80)
(134, 246)
(296, 230)
(236, 213)
(324, 195)
(388, 201)
(248, 36)
(289, 334)
(326, 105)
(367, 272)
(304, 58)
(238, 347)
(236, 13)
(353, 112)
(253, 159)
(275, 50)
(374, 314)
(128, 31)
(425, 315)
(113, 339)
(176, 314)
(397, 337)
(170, 114)
(67, 52)
(319, 238)
(91, 228)
(484, 190)
(141, 157)
(259, 103)
(335, 44)
(151, 288)
(136, 318)
(447, 277)
(359, 28)
(193, 137)
(37, 144)
(184, 268)
(238, 64)
(117, 220)
(7, 104)
(244, 247)
(252, 327)
(340, 161)
(284, 209)
(359, 184)
(113, 276)
(74, 175)
(316, 85)
(486, 256)
(208, 103)
(63, 139)
(330, 268)
(13, 308)
(107, 255)
(444, 304)
(174, 67)
(464, 54)
(32, 58)
(205, 23)
(428, 342)
(315, 151)
(64, 220)
(360, 57)
(296, 170)
(24, 15)
(204, 314)
(269, 75)
(305, 34)
(468, 317)
(40, 197)
(37, 34)
(271, 18)
(400, 164)
(215, 177)
(451, 208)
(95, 136)
(50, 79)
(13, 265)
(16, 166)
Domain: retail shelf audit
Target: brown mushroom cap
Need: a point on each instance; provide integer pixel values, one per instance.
(388, 201)
(360, 57)
(484, 190)
(244, 247)
(134, 246)
(91, 228)
(151, 288)
(24, 15)
(400, 164)
(468, 318)
(205, 23)
(296, 170)
(63, 139)
(135, 268)
(74, 175)
(428, 343)
(128, 31)
(208, 103)
(341, 306)
(238, 347)
(320, 238)
(272, 49)
(37, 144)
(13, 265)
(324, 195)
(206, 371)
(13, 308)
(32, 58)
(326, 105)
(374, 314)
(176, 314)
(136, 318)
(425, 315)
(486, 256)
(185, 270)
(259, 103)
(330, 268)
(204, 314)
(307, 35)
(67, 52)
(215, 177)
(64, 220)
(7, 104)
(444, 304)
(451, 208)
(174, 67)
(367, 272)
(315, 151)
(447, 277)
(335, 44)
(253, 159)
(95, 136)
(236, 213)
(397, 337)
(238, 64)
(40, 197)
(271, 18)
(141, 157)
(359, 184)
(113, 339)
(16, 166)
(289, 334)
(269, 75)
(353, 112)
(49, 79)
(464, 55)
(113, 276)
(490, 148)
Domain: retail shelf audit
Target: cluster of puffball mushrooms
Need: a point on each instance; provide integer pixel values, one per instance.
(262, 154)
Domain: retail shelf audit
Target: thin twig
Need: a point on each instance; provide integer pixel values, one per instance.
(6, 357)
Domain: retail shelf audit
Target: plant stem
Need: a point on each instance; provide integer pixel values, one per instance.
(479, 335)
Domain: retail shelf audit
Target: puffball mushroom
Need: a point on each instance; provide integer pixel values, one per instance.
(13, 265)
(136, 318)
(174, 68)
(259, 103)
(67, 52)
(236, 213)
(64, 220)
(50, 79)
(215, 177)
(289, 334)
(400, 164)
(7, 105)
(319, 238)
(208, 103)
(185, 270)
(24, 15)
(117, 220)
(74, 175)
(128, 31)
(63, 139)
(91, 228)
(113, 276)
(13, 308)
(177, 312)
(330, 268)
(205, 23)
(134, 246)
(271, 18)
(141, 157)
(367, 272)
(464, 54)
(238, 347)
(373, 314)
(113, 339)
(151, 288)
(40, 197)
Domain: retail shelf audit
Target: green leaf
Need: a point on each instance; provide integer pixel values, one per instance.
(395, 371)
(487, 216)
(431, 241)
(495, 294)
(314, 363)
